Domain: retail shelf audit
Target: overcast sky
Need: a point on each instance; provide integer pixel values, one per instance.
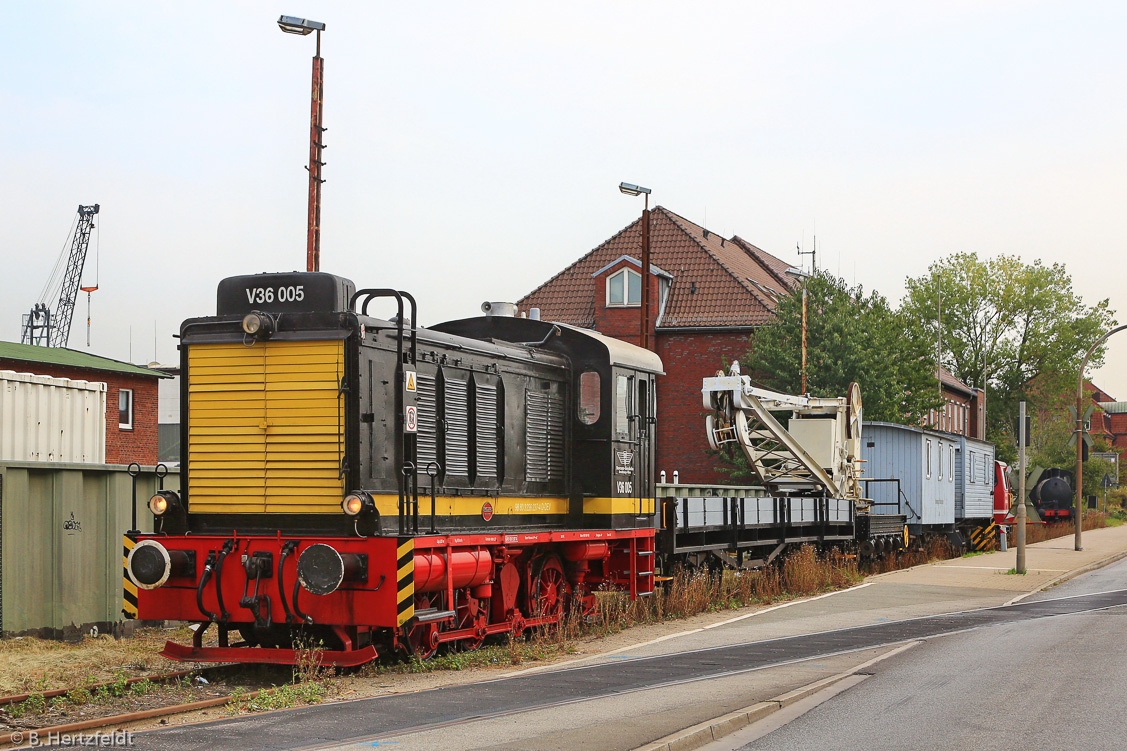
(474, 149)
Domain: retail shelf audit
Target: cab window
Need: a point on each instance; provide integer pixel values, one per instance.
(590, 397)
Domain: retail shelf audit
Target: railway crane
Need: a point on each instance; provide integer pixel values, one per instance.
(50, 326)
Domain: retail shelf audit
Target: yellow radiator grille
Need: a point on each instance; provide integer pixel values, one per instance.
(265, 427)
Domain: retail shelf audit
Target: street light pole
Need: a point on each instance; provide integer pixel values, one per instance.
(316, 149)
(1019, 517)
(1079, 431)
(634, 190)
(292, 25)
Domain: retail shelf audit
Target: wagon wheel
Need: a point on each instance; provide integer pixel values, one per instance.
(550, 591)
(422, 638)
(853, 412)
(471, 614)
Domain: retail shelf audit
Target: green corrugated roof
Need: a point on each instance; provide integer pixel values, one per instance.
(71, 358)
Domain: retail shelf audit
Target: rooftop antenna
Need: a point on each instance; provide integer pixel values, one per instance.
(813, 253)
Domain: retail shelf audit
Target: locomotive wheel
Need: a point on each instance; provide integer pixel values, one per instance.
(422, 638)
(550, 591)
(471, 613)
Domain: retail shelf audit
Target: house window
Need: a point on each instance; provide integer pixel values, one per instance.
(624, 288)
(125, 409)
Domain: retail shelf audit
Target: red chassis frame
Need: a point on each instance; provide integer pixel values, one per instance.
(507, 568)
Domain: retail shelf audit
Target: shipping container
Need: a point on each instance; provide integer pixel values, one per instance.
(923, 461)
(48, 419)
(61, 552)
(974, 479)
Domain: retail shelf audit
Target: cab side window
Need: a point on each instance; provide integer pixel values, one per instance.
(590, 397)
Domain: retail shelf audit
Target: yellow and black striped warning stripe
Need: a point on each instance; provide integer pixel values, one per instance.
(128, 588)
(405, 579)
(983, 538)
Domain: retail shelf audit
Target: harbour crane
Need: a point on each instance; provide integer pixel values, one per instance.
(50, 326)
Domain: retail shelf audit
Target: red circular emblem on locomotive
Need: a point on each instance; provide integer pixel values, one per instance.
(487, 511)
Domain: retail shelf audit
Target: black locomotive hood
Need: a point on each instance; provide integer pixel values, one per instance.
(291, 292)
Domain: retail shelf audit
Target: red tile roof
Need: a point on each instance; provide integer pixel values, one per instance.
(716, 281)
(949, 380)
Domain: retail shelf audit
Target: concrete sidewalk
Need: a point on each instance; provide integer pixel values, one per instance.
(1047, 563)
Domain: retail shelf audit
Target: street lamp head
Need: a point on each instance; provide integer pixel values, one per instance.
(293, 25)
(633, 190)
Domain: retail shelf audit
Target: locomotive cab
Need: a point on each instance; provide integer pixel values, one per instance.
(609, 423)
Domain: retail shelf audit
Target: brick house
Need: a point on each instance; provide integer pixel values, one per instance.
(131, 394)
(963, 411)
(707, 293)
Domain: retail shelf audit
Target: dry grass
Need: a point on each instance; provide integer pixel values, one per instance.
(802, 573)
(29, 664)
(1051, 531)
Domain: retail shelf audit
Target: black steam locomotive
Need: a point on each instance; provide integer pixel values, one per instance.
(1052, 494)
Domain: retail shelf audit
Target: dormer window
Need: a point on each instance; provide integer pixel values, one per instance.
(624, 289)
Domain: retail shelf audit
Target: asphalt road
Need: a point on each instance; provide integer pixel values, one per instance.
(1044, 684)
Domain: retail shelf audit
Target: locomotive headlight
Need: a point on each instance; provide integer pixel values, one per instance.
(163, 502)
(358, 503)
(258, 324)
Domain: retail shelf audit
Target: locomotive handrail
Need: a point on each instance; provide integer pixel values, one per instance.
(433, 468)
(134, 473)
(899, 493)
(410, 476)
(369, 295)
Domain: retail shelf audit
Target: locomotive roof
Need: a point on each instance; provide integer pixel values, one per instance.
(521, 331)
(624, 353)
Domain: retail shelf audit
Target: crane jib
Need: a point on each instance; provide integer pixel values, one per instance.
(49, 326)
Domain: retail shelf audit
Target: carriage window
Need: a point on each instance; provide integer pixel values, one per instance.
(622, 407)
(951, 463)
(972, 468)
(928, 458)
(590, 397)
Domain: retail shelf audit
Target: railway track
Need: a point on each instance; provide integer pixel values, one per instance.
(14, 738)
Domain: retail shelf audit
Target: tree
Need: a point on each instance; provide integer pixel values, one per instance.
(851, 336)
(1006, 324)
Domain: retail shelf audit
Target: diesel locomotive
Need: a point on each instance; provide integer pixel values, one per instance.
(386, 487)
